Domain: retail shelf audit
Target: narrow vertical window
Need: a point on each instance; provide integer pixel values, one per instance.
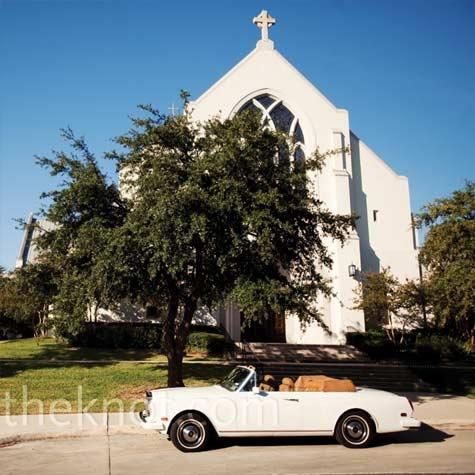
(339, 144)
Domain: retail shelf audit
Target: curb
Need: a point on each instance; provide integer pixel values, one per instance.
(21, 438)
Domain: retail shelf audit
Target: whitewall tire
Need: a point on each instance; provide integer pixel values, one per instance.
(355, 429)
(191, 432)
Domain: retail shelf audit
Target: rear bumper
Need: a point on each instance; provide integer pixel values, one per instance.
(410, 423)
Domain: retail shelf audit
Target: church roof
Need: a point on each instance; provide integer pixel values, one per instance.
(263, 46)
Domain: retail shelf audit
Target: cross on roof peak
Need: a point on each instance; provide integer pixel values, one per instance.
(264, 21)
(173, 110)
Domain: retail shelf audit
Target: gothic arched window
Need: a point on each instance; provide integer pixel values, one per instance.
(277, 116)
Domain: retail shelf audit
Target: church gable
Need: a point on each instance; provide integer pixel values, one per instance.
(265, 72)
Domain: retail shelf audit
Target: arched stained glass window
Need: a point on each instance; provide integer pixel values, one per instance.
(277, 116)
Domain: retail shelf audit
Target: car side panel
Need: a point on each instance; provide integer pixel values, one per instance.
(292, 413)
(323, 409)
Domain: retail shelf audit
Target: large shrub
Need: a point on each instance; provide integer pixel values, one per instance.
(117, 335)
(415, 346)
(203, 339)
(439, 347)
(375, 343)
(209, 343)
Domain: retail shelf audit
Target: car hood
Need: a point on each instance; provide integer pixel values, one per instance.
(203, 391)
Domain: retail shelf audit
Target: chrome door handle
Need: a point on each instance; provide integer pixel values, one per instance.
(293, 400)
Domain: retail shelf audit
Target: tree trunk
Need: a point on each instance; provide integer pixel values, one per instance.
(423, 295)
(175, 338)
(175, 369)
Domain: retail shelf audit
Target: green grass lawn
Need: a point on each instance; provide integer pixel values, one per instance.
(48, 374)
(51, 349)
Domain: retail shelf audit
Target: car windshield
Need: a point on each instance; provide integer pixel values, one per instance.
(235, 378)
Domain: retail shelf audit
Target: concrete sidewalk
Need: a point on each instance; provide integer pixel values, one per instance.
(14, 429)
(442, 411)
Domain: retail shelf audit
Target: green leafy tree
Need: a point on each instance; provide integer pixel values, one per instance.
(387, 303)
(26, 295)
(210, 212)
(83, 210)
(413, 302)
(218, 210)
(4, 279)
(448, 254)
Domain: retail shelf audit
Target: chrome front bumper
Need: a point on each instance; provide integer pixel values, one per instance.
(146, 423)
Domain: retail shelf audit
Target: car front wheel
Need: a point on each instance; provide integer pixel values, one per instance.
(355, 430)
(190, 432)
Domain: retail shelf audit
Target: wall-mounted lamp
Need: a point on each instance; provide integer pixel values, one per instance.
(352, 270)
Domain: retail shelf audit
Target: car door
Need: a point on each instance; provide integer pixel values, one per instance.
(319, 409)
(290, 413)
(261, 413)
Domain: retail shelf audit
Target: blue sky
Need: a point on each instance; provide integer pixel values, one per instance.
(404, 69)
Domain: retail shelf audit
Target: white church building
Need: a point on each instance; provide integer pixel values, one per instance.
(357, 182)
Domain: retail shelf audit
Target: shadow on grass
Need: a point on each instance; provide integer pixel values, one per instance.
(425, 435)
(17, 356)
(50, 349)
(205, 371)
(8, 369)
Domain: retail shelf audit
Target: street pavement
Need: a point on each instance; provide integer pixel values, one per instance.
(114, 443)
(426, 451)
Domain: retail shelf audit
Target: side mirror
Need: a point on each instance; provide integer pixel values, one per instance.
(256, 390)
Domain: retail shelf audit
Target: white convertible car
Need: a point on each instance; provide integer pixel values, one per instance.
(240, 407)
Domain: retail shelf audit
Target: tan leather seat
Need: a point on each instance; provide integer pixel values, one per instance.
(287, 384)
(266, 387)
(268, 383)
(285, 388)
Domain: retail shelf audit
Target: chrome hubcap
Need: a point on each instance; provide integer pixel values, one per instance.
(355, 429)
(190, 433)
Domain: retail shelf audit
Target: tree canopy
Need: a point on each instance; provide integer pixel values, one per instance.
(27, 293)
(83, 209)
(448, 254)
(391, 304)
(209, 212)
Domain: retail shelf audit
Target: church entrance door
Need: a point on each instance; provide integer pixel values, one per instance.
(269, 330)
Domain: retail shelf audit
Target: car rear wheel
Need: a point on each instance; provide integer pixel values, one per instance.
(355, 430)
(190, 432)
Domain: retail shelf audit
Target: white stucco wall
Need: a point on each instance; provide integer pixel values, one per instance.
(387, 241)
